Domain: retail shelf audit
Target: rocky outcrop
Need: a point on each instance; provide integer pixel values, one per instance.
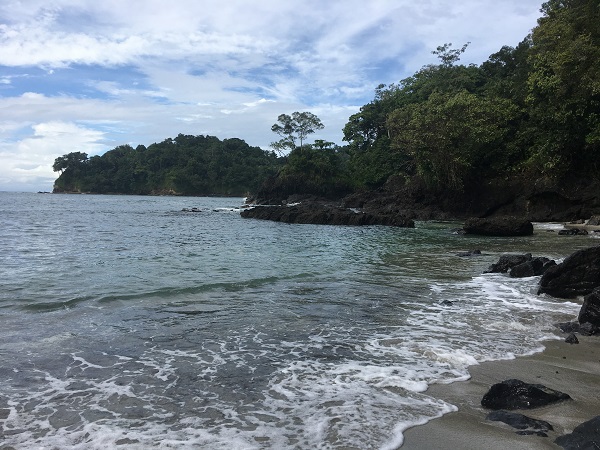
(499, 226)
(541, 200)
(584, 436)
(315, 213)
(521, 266)
(590, 310)
(534, 267)
(594, 221)
(578, 274)
(516, 394)
(507, 262)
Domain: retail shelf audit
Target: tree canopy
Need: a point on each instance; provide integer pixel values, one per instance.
(294, 128)
(531, 110)
(189, 165)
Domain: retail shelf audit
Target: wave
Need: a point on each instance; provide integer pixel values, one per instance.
(166, 293)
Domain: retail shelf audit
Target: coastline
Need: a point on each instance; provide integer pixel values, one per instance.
(573, 369)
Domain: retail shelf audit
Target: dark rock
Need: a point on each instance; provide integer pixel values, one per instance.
(507, 262)
(572, 339)
(568, 327)
(516, 394)
(590, 310)
(573, 232)
(499, 226)
(316, 213)
(446, 303)
(534, 267)
(547, 265)
(525, 424)
(523, 270)
(594, 221)
(588, 329)
(469, 253)
(584, 437)
(579, 274)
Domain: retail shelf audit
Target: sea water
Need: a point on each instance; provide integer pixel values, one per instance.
(128, 322)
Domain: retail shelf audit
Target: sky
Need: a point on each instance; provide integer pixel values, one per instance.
(89, 75)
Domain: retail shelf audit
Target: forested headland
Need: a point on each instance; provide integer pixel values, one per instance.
(185, 165)
(518, 133)
(469, 138)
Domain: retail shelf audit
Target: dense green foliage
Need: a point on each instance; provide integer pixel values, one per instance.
(320, 169)
(187, 165)
(533, 110)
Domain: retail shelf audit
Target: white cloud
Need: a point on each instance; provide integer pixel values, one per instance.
(30, 159)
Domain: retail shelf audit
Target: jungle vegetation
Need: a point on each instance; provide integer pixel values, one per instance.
(185, 165)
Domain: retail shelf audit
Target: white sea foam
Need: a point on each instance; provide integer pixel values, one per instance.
(548, 226)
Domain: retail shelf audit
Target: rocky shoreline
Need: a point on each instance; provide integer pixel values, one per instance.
(572, 369)
(567, 411)
(535, 200)
(324, 214)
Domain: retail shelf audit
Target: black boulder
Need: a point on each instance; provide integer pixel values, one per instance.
(516, 394)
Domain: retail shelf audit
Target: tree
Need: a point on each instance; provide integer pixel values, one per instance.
(447, 55)
(72, 160)
(564, 87)
(451, 136)
(295, 127)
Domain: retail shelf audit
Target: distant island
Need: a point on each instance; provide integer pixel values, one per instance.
(518, 134)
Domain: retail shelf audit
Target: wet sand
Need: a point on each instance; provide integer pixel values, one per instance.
(573, 369)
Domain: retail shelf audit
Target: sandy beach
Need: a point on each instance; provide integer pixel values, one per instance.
(573, 369)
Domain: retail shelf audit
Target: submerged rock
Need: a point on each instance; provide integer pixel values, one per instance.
(516, 394)
(585, 436)
(525, 425)
(499, 226)
(584, 329)
(573, 232)
(578, 274)
(568, 327)
(469, 253)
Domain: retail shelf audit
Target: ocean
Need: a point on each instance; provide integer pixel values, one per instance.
(127, 322)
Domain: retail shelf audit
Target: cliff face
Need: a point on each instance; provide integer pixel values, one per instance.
(536, 200)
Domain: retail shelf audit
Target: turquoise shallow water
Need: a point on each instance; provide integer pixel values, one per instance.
(127, 322)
